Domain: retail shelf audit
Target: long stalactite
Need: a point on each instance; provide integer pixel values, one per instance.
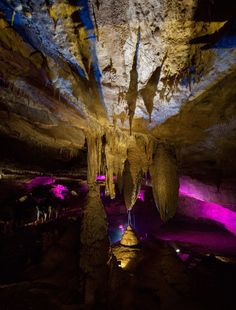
(165, 182)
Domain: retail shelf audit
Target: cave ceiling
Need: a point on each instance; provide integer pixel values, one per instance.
(165, 68)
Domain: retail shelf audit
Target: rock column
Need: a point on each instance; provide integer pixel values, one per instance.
(94, 253)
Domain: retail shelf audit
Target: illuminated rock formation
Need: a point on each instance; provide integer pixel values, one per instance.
(95, 248)
(71, 68)
(165, 182)
(80, 76)
(129, 238)
(94, 239)
(120, 89)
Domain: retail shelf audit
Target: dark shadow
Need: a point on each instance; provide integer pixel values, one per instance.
(215, 10)
(225, 37)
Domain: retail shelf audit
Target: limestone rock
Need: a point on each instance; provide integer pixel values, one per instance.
(165, 182)
(129, 238)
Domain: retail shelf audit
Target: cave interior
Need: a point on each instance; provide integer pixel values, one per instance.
(117, 154)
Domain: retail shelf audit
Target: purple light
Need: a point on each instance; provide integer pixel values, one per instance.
(198, 208)
(59, 191)
(122, 229)
(40, 181)
(183, 256)
(141, 195)
(209, 192)
(216, 213)
(186, 189)
(101, 178)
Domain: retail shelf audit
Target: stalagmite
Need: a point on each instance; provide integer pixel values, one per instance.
(94, 239)
(165, 182)
(129, 238)
(95, 248)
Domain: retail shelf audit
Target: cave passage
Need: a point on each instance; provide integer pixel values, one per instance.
(117, 154)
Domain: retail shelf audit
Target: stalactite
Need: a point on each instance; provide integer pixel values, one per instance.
(115, 156)
(149, 91)
(131, 186)
(135, 167)
(137, 162)
(92, 160)
(110, 187)
(99, 154)
(132, 92)
(165, 182)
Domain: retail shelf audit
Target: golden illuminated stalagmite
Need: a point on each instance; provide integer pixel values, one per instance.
(165, 182)
(94, 239)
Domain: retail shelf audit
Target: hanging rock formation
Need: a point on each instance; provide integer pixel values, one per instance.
(136, 165)
(165, 182)
(115, 156)
(131, 187)
(132, 92)
(149, 91)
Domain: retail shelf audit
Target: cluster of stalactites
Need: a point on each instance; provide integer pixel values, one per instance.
(165, 182)
(126, 157)
(115, 155)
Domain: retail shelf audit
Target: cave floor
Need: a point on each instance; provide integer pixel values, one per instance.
(39, 264)
(39, 270)
(158, 279)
